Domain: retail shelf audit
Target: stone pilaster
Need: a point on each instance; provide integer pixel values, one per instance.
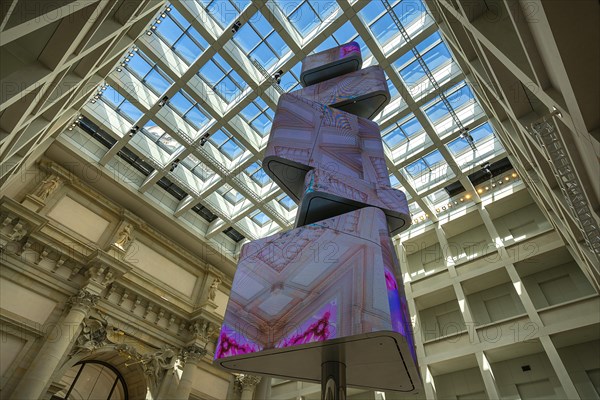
(191, 356)
(38, 376)
(247, 384)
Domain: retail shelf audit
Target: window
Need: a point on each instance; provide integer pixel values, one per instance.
(260, 218)
(122, 106)
(259, 116)
(191, 111)
(307, 15)
(425, 164)
(259, 41)
(229, 146)
(224, 12)
(92, 380)
(178, 33)
(230, 194)
(257, 174)
(286, 202)
(160, 137)
(219, 75)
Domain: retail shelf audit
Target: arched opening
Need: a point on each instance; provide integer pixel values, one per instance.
(92, 380)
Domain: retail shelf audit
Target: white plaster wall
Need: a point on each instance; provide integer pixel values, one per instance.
(79, 218)
(494, 304)
(10, 347)
(583, 365)
(557, 285)
(37, 308)
(538, 383)
(466, 384)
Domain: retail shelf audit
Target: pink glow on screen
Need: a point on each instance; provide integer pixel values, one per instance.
(348, 48)
(232, 343)
(321, 326)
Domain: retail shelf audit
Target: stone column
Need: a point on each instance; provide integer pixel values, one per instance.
(263, 390)
(247, 383)
(191, 356)
(38, 376)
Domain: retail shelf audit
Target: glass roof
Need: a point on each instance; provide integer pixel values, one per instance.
(185, 115)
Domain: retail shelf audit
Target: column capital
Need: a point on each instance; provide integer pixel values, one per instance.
(193, 354)
(246, 381)
(83, 300)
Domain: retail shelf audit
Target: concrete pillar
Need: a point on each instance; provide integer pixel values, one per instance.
(263, 390)
(559, 368)
(192, 356)
(38, 376)
(488, 375)
(248, 384)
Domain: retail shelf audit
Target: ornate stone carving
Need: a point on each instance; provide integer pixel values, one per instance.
(193, 354)
(92, 336)
(212, 290)
(155, 364)
(245, 381)
(48, 186)
(17, 233)
(124, 237)
(84, 299)
(203, 330)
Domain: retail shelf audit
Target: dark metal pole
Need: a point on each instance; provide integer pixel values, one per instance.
(333, 381)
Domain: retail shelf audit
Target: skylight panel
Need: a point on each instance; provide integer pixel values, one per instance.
(224, 12)
(139, 65)
(304, 19)
(250, 112)
(328, 43)
(264, 55)
(122, 106)
(176, 15)
(112, 97)
(371, 11)
(262, 124)
(394, 182)
(226, 144)
(197, 167)
(247, 38)
(232, 149)
(211, 72)
(230, 194)
(168, 30)
(277, 44)
(180, 102)
(345, 33)
(411, 127)
(260, 218)
(394, 137)
(157, 81)
(257, 174)
(187, 49)
(384, 29)
(286, 202)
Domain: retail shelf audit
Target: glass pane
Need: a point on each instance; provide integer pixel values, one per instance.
(304, 19)
(247, 38)
(139, 66)
(168, 30)
(180, 103)
(157, 82)
(264, 56)
(187, 49)
(197, 117)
